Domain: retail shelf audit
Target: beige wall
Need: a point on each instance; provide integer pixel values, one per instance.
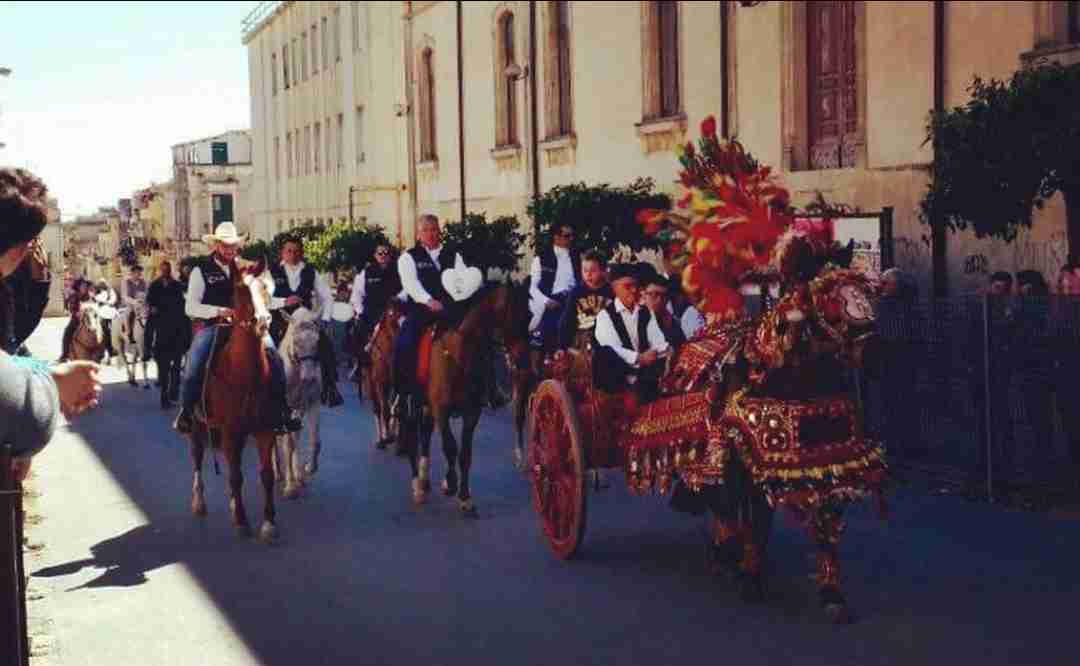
(896, 67)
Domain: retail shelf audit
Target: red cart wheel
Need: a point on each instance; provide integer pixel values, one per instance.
(557, 465)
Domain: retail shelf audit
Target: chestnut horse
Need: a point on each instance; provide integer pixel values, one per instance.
(499, 316)
(377, 377)
(238, 404)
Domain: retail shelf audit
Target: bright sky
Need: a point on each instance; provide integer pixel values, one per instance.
(99, 91)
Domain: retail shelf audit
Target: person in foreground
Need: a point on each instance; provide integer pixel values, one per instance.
(31, 392)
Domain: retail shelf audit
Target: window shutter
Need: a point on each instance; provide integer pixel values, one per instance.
(669, 58)
(832, 83)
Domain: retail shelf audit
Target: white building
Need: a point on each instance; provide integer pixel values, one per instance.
(211, 184)
(318, 93)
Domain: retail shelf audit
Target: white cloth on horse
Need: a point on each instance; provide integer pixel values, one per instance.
(462, 281)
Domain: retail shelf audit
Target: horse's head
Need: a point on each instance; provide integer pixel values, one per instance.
(251, 296)
(510, 309)
(842, 306)
(300, 345)
(90, 321)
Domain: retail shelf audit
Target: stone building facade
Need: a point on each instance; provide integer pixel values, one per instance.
(478, 105)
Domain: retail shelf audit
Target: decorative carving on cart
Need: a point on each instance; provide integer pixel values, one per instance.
(665, 435)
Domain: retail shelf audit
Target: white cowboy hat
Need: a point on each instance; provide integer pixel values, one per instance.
(225, 233)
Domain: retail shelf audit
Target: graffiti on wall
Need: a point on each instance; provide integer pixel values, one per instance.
(976, 264)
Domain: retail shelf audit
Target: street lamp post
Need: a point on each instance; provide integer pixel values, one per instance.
(4, 71)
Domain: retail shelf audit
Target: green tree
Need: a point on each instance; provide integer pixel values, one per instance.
(602, 216)
(259, 248)
(495, 244)
(1003, 154)
(343, 245)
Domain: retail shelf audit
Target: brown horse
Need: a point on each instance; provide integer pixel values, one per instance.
(238, 403)
(499, 316)
(88, 343)
(377, 377)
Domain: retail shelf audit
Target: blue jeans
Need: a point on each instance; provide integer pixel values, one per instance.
(546, 335)
(405, 349)
(191, 388)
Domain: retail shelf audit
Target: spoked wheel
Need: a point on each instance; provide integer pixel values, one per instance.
(557, 465)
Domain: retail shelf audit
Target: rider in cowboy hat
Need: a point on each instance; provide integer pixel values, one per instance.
(209, 301)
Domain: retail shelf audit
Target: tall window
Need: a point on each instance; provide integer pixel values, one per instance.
(314, 49)
(426, 108)
(273, 73)
(299, 152)
(329, 145)
(288, 155)
(505, 87)
(359, 134)
(285, 66)
(357, 25)
(296, 63)
(558, 110)
(1074, 21)
(277, 158)
(662, 98)
(307, 150)
(831, 83)
(337, 34)
(315, 145)
(303, 56)
(340, 140)
(325, 46)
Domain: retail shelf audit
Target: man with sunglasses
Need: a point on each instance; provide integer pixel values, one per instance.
(553, 275)
(372, 290)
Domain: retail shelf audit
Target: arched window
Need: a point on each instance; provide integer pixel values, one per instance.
(505, 83)
(662, 97)
(558, 109)
(426, 106)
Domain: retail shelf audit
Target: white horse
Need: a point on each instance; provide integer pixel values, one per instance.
(122, 344)
(303, 389)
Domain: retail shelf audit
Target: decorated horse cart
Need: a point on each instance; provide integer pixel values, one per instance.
(756, 411)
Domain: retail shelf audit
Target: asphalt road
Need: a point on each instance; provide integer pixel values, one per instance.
(121, 573)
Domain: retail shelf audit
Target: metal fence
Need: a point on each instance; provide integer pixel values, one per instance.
(14, 642)
(981, 389)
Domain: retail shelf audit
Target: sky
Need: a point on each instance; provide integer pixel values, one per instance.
(100, 91)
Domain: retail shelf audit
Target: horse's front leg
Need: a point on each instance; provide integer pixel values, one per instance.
(451, 483)
(468, 429)
(422, 480)
(267, 531)
(286, 465)
(233, 448)
(198, 449)
(826, 524)
(311, 424)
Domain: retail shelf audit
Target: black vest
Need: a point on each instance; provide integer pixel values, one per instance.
(430, 275)
(219, 287)
(674, 334)
(549, 266)
(380, 285)
(644, 317)
(303, 291)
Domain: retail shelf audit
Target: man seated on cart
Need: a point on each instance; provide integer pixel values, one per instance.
(630, 346)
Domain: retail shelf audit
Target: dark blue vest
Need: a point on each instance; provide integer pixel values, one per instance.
(380, 285)
(430, 275)
(549, 266)
(610, 372)
(219, 287)
(303, 291)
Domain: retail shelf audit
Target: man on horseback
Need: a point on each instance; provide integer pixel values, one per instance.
(420, 271)
(629, 342)
(80, 294)
(133, 297)
(295, 283)
(553, 276)
(209, 304)
(372, 290)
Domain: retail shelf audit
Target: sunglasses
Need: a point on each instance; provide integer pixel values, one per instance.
(656, 294)
(563, 234)
(381, 253)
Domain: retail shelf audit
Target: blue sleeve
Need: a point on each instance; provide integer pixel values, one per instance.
(29, 406)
